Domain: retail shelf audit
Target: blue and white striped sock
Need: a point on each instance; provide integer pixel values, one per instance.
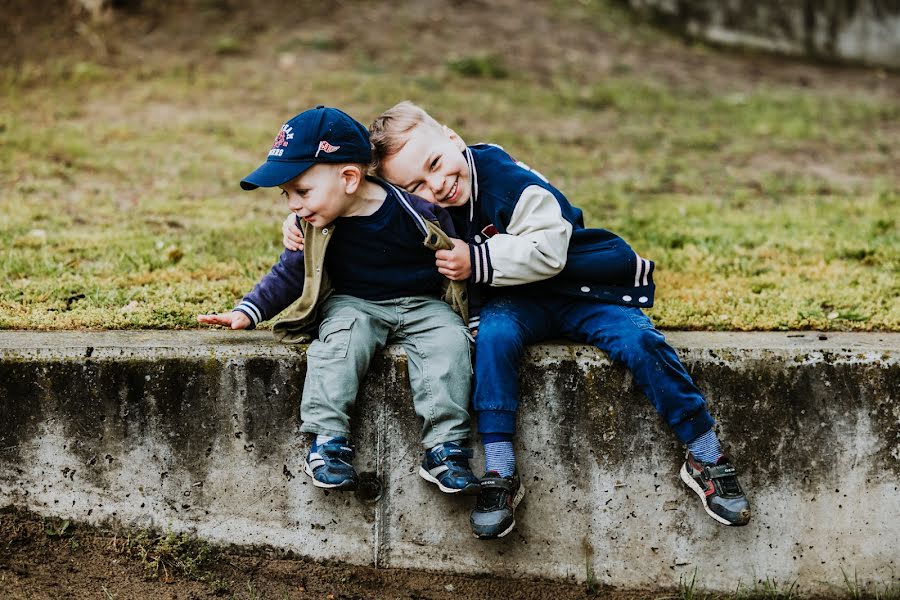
(499, 455)
(706, 448)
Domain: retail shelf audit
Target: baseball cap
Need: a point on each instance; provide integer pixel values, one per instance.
(318, 135)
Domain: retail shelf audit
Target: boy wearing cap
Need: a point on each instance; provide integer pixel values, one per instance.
(376, 283)
(548, 276)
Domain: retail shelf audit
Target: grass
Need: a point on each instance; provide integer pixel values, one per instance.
(165, 556)
(773, 208)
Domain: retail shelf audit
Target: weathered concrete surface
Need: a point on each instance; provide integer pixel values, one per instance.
(863, 31)
(198, 430)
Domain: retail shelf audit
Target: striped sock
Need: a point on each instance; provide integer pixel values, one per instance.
(499, 455)
(706, 448)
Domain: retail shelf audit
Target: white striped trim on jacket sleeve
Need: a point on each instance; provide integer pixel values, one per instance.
(250, 309)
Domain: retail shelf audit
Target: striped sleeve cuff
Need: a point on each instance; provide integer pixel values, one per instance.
(252, 312)
(482, 271)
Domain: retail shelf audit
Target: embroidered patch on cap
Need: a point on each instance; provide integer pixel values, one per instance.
(326, 147)
(281, 140)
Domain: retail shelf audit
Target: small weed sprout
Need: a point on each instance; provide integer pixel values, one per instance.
(60, 530)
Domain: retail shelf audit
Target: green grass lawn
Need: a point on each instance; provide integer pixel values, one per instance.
(768, 206)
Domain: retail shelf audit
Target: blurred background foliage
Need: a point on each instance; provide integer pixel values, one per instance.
(766, 188)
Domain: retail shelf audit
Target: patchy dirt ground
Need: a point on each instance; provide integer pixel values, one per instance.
(46, 558)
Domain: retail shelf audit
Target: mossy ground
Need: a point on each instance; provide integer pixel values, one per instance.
(766, 189)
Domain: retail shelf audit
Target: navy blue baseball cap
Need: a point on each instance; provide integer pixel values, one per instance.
(318, 135)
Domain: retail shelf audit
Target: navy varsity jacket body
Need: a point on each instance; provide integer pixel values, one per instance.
(523, 232)
(284, 283)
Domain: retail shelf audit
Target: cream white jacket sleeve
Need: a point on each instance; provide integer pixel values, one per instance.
(533, 248)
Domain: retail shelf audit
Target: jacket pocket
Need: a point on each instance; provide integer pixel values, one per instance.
(334, 339)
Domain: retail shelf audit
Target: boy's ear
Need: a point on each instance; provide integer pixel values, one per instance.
(352, 177)
(454, 137)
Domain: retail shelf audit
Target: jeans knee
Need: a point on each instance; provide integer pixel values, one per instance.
(499, 330)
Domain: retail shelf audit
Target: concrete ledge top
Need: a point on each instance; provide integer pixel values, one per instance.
(814, 346)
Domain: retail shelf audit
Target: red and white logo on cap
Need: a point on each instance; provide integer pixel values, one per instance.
(326, 147)
(281, 140)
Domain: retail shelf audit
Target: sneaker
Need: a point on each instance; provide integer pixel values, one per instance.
(330, 466)
(495, 512)
(718, 488)
(447, 466)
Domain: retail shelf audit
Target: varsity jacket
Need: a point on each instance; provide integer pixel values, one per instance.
(299, 279)
(523, 231)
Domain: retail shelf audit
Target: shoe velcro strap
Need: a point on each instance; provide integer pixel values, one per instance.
(452, 452)
(339, 452)
(497, 482)
(719, 471)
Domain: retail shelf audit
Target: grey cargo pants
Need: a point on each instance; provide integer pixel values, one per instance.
(436, 341)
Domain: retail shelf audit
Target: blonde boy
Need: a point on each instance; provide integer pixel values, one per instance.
(546, 275)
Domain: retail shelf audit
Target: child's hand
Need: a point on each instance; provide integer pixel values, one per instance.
(454, 264)
(293, 237)
(234, 319)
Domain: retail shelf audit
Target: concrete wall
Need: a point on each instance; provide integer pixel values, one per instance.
(198, 430)
(866, 31)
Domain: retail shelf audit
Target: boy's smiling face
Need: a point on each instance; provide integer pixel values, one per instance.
(316, 195)
(431, 165)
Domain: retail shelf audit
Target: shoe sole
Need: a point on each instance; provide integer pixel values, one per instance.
(691, 483)
(330, 486)
(518, 498)
(470, 490)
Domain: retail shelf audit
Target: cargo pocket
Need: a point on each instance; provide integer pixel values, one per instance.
(334, 339)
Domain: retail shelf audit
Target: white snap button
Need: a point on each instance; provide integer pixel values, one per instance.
(626, 298)
(643, 299)
(585, 289)
(477, 239)
(325, 231)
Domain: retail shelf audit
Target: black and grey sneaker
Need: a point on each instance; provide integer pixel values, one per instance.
(718, 488)
(330, 465)
(447, 466)
(495, 512)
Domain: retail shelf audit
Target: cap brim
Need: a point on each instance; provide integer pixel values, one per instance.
(274, 173)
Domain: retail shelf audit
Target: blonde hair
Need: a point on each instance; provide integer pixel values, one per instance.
(390, 131)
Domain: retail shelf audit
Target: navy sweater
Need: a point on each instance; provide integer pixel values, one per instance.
(377, 257)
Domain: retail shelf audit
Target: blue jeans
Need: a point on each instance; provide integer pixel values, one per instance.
(626, 334)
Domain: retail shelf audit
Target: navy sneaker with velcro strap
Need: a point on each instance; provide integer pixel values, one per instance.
(718, 488)
(495, 512)
(447, 466)
(330, 465)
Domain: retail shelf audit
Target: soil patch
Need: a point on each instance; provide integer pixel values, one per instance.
(50, 558)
